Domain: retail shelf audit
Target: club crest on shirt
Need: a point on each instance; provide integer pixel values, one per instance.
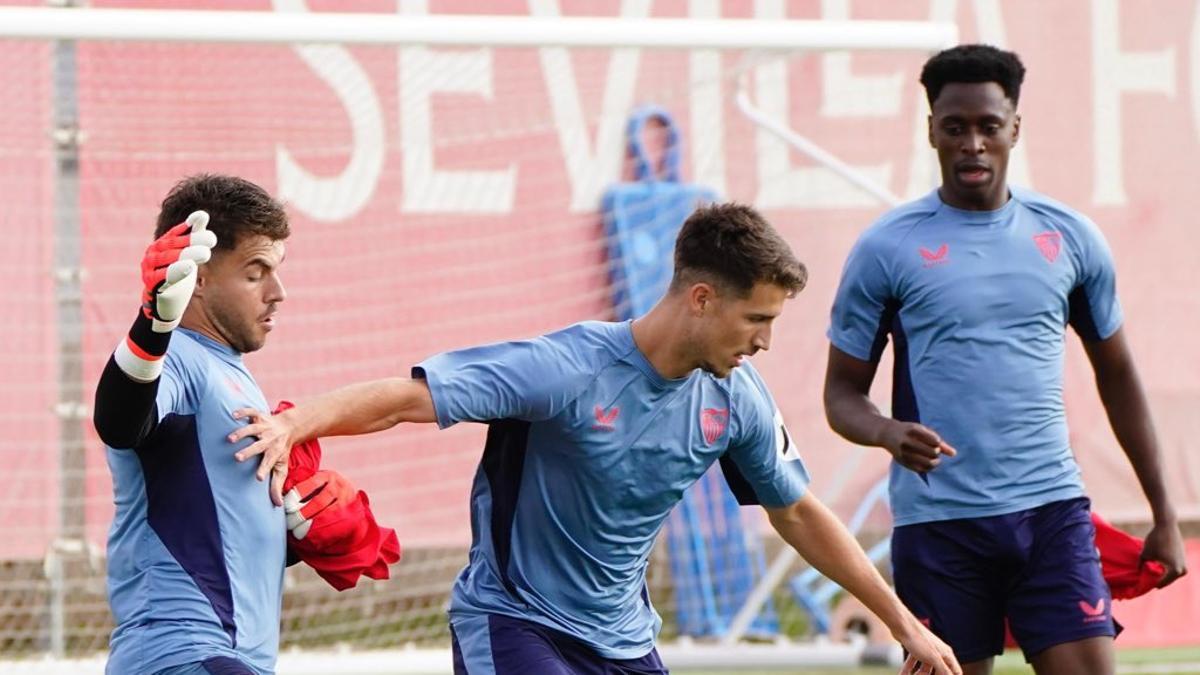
(713, 422)
(1049, 243)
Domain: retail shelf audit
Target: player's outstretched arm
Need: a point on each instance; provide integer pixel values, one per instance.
(821, 539)
(1129, 414)
(852, 414)
(355, 409)
(125, 411)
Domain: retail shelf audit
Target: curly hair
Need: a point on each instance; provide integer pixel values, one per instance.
(236, 208)
(973, 63)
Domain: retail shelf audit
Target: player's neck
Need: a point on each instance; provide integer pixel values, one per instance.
(992, 201)
(195, 320)
(657, 337)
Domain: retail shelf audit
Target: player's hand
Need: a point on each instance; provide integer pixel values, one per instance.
(916, 447)
(1164, 544)
(272, 441)
(927, 654)
(169, 270)
(308, 499)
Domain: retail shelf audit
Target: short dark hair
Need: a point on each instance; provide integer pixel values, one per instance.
(734, 247)
(973, 63)
(236, 208)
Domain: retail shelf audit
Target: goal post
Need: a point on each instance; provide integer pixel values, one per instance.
(208, 26)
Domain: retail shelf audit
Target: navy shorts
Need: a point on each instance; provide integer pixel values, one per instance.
(1038, 569)
(501, 645)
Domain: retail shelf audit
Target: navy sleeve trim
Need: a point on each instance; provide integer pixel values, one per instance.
(1080, 316)
(503, 464)
(890, 309)
(738, 485)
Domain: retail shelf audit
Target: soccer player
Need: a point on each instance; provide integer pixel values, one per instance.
(975, 282)
(595, 431)
(196, 552)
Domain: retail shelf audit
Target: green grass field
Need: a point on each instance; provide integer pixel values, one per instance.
(1181, 661)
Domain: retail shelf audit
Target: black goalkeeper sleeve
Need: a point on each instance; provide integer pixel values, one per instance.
(126, 411)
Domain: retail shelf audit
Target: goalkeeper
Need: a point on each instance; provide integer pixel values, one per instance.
(595, 431)
(196, 551)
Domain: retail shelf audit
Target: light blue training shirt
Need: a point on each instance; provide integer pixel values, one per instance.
(197, 550)
(588, 449)
(976, 304)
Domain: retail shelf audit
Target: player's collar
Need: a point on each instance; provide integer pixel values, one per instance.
(970, 217)
(224, 351)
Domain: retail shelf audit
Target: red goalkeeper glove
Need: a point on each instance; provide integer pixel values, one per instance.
(321, 492)
(168, 280)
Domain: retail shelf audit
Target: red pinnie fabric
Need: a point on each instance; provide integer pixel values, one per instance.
(1128, 576)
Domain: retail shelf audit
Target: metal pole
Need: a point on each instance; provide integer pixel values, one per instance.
(70, 409)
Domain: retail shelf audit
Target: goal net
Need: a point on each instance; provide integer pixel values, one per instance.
(441, 195)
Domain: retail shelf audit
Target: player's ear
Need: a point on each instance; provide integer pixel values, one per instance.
(929, 130)
(202, 275)
(701, 296)
(1016, 128)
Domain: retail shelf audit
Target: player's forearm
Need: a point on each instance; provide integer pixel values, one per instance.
(821, 539)
(361, 408)
(1129, 415)
(855, 417)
